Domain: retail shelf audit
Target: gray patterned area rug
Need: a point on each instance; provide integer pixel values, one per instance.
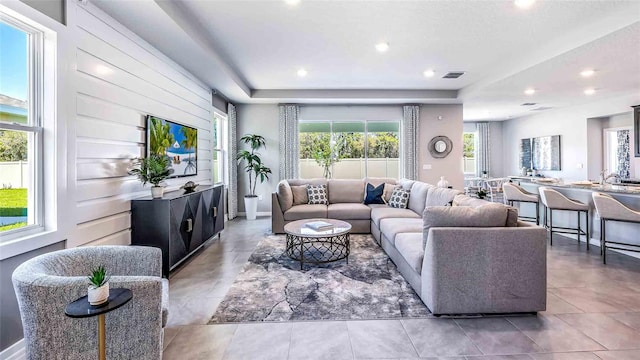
(271, 287)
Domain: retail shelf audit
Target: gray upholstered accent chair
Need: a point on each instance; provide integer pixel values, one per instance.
(554, 200)
(514, 193)
(610, 209)
(45, 284)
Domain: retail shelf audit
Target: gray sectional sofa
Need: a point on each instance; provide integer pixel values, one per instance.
(470, 258)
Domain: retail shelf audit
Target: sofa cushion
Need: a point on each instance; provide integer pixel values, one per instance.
(373, 194)
(165, 301)
(406, 183)
(385, 212)
(490, 215)
(317, 194)
(465, 200)
(388, 190)
(300, 195)
(318, 181)
(306, 211)
(390, 227)
(349, 211)
(285, 196)
(346, 191)
(399, 198)
(375, 181)
(440, 196)
(418, 197)
(409, 245)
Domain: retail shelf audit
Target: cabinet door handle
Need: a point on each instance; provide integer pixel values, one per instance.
(189, 225)
(215, 211)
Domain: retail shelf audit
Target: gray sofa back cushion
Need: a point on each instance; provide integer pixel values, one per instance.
(285, 196)
(375, 181)
(406, 183)
(346, 191)
(490, 215)
(465, 200)
(300, 196)
(418, 197)
(318, 181)
(440, 196)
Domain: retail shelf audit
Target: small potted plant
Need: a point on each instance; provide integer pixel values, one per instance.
(153, 169)
(255, 169)
(482, 193)
(98, 292)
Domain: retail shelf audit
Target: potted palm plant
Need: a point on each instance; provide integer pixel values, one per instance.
(255, 169)
(153, 169)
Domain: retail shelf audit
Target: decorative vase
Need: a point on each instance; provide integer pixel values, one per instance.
(97, 296)
(443, 183)
(251, 206)
(157, 192)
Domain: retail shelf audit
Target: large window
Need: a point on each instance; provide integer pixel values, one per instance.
(349, 149)
(20, 126)
(469, 152)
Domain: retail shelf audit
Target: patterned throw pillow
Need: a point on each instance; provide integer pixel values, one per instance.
(399, 198)
(317, 194)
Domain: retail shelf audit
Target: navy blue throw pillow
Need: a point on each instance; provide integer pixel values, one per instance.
(374, 194)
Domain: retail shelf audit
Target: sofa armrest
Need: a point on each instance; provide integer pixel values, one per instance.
(277, 215)
(485, 270)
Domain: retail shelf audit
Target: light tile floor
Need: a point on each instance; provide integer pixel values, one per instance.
(593, 312)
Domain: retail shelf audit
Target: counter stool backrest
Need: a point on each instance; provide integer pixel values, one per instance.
(555, 200)
(513, 192)
(612, 209)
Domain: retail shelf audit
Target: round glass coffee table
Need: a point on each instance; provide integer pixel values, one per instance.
(324, 245)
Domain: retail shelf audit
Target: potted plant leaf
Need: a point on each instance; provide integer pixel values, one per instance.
(98, 291)
(153, 169)
(255, 169)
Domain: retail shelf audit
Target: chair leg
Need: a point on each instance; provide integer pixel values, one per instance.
(604, 242)
(551, 226)
(538, 214)
(578, 230)
(586, 215)
(601, 233)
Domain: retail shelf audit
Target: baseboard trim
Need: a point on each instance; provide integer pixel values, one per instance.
(14, 352)
(259, 213)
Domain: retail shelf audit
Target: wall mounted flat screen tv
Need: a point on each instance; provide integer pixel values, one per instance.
(178, 142)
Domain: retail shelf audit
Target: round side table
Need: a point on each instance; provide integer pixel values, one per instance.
(82, 309)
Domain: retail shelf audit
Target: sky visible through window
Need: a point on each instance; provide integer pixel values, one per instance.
(13, 62)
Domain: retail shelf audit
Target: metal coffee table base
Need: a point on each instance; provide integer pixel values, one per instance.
(318, 250)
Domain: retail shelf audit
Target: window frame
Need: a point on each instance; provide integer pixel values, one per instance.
(365, 133)
(221, 148)
(34, 128)
(475, 153)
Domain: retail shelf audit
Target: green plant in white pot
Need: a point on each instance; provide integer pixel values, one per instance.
(153, 169)
(98, 291)
(255, 169)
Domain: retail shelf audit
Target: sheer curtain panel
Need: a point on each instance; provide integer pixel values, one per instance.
(289, 144)
(410, 130)
(233, 164)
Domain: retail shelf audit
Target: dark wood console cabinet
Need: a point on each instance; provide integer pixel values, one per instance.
(179, 223)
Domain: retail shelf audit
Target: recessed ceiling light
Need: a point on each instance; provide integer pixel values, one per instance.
(589, 91)
(302, 72)
(382, 47)
(429, 73)
(524, 4)
(530, 91)
(292, 2)
(587, 72)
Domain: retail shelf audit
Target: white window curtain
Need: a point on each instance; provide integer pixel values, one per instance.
(233, 164)
(484, 149)
(410, 130)
(289, 143)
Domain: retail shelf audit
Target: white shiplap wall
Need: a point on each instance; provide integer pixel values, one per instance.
(119, 79)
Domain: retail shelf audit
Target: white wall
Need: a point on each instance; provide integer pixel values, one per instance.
(571, 124)
(261, 120)
(450, 126)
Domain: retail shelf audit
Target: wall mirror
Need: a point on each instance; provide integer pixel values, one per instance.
(440, 146)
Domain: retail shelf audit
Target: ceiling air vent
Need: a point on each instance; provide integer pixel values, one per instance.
(529, 104)
(453, 75)
(542, 108)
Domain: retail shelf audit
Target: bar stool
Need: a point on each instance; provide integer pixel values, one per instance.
(553, 200)
(514, 193)
(610, 209)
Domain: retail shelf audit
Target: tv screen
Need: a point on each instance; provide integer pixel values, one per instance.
(178, 142)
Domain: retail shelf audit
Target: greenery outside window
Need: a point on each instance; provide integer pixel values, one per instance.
(469, 152)
(21, 69)
(349, 149)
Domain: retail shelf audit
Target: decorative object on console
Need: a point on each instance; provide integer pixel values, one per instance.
(153, 169)
(189, 187)
(98, 291)
(255, 169)
(440, 146)
(179, 143)
(374, 194)
(443, 183)
(399, 198)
